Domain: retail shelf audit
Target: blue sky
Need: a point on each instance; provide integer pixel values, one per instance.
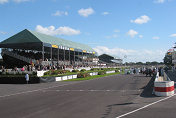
(141, 29)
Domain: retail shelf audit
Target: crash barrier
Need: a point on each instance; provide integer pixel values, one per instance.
(66, 77)
(163, 87)
(41, 73)
(61, 78)
(108, 72)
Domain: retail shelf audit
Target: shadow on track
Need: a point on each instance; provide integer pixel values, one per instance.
(148, 89)
(109, 108)
(147, 93)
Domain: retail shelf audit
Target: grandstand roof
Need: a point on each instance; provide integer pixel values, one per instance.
(32, 37)
(109, 59)
(111, 56)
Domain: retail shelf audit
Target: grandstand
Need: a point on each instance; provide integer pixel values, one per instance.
(30, 47)
(109, 60)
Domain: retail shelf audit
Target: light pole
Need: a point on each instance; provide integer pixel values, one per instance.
(125, 56)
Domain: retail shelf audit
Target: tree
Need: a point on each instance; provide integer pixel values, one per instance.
(154, 63)
(168, 60)
(139, 63)
(148, 63)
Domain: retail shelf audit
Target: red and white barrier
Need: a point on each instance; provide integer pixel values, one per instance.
(163, 88)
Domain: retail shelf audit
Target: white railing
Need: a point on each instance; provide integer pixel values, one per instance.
(157, 76)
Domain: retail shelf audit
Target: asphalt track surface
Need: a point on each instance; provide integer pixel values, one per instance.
(108, 97)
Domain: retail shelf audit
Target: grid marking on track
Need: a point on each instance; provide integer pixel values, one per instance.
(128, 113)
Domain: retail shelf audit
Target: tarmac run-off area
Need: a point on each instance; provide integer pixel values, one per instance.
(128, 96)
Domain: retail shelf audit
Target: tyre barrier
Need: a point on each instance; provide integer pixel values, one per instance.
(163, 88)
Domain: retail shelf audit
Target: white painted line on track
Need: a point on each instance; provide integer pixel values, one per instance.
(93, 90)
(145, 106)
(37, 90)
(47, 88)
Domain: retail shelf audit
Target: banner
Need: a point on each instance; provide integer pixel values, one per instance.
(72, 49)
(54, 46)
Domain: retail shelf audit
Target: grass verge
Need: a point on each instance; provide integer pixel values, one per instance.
(92, 77)
(72, 73)
(60, 75)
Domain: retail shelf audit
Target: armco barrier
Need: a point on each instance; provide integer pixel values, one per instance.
(163, 88)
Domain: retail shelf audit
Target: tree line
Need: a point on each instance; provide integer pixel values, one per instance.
(145, 63)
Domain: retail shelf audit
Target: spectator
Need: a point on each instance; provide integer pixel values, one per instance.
(22, 69)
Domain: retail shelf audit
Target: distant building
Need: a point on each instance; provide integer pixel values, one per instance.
(108, 59)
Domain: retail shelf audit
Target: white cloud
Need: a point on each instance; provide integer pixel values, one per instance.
(156, 37)
(140, 36)
(85, 12)
(112, 36)
(19, 1)
(141, 20)
(113, 51)
(2, 32)
(87, 33)
(60, 13)
(51, 30)
(3, 1)
(115, 35)
(172, 35)
(105, 13)
(132, 33)
(159, 1)
(132, 55)
(116, 30)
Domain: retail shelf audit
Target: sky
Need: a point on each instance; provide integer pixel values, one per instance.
(134, 30)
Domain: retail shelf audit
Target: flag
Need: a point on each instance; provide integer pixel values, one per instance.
(170, 50)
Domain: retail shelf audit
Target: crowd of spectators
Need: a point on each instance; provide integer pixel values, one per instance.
(29, 54)
(37, 55)
(152, 71)
(38, 64)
